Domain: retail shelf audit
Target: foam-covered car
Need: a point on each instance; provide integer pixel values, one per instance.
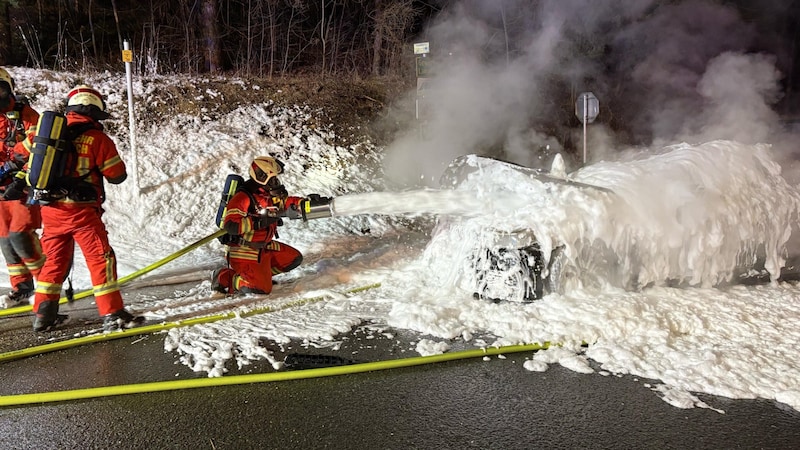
(521, 254)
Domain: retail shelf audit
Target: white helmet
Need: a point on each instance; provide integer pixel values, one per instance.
(265, 169)
(87, 101)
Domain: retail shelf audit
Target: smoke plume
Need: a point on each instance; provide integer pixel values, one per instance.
(505, 76)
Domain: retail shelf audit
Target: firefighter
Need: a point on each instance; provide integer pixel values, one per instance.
(251, 222)
(19, 241)
(76, 217)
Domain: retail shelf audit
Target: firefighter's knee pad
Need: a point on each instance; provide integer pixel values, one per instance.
(7, 250)
(24, 243)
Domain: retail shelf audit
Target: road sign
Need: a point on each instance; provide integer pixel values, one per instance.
(587, 107)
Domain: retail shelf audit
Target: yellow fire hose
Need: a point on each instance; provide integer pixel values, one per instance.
(126, 278)
(159, 327)
(58, 396)
(107, 391)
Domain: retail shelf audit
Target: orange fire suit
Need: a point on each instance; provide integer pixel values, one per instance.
(254, 255)
(19, 242)
(77, 218)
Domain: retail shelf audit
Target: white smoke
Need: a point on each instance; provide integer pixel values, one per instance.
(506, 75)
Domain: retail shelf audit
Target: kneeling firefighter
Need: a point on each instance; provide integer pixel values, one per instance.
(251, 218)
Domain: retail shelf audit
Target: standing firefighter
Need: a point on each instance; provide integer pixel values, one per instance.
(72, 213)
(251, 221)
(18, 222)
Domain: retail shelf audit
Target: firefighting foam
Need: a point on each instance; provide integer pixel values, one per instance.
(688, 214)
(418, 202)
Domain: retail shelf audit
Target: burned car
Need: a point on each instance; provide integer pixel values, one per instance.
(509, 263)
(664, 219)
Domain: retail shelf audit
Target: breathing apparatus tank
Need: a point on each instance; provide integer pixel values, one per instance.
(233, 183)
(49, 153)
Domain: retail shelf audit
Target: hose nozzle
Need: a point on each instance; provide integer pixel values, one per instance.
(316, 207)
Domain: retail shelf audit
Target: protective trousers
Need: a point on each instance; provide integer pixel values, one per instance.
(254, 268)
(63, 226)
(19, 242)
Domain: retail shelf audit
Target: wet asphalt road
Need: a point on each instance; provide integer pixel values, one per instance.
(490, 403)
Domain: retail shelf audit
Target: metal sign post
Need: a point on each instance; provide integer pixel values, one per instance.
(421, 50)
(587, 107)
(127, 58)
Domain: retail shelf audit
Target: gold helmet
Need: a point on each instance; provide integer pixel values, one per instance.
(265, 170)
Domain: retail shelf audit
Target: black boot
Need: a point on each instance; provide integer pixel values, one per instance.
(121, 320)
(20, 294)
(47, 316)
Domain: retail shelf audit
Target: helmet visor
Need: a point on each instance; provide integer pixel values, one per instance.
(5, 93)
(263, 177)
(5, 90)
(274, 183)
(259, 175)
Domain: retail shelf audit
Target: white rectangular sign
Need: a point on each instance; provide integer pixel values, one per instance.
(421, 48)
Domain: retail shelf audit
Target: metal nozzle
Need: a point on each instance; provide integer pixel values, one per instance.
(316, 208)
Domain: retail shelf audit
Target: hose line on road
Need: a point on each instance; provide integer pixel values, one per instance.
(107, 391)
(164, 326)
(126, 278)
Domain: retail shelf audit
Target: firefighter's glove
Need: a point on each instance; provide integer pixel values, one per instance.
(293, 211)
(15, 190)
(265, 218)
(264, 222)
(8, 169)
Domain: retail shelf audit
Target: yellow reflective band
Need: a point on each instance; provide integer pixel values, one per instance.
(35, 265)
(105, 289)
(18, 270)
(43, 287)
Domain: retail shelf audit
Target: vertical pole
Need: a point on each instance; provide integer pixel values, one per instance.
(416, 99)
(585, 119)
(126, 46)
(322, 34)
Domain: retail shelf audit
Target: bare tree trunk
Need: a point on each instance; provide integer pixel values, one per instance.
(288, 40)
(91, 30)
(377, 38)
(188, 41)
(336, 41)
(5, 35)
(272, 40)
(151, 64)
(208, 18)
(322, 34)
(249, 40)
(116, 20)
(60, 36)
